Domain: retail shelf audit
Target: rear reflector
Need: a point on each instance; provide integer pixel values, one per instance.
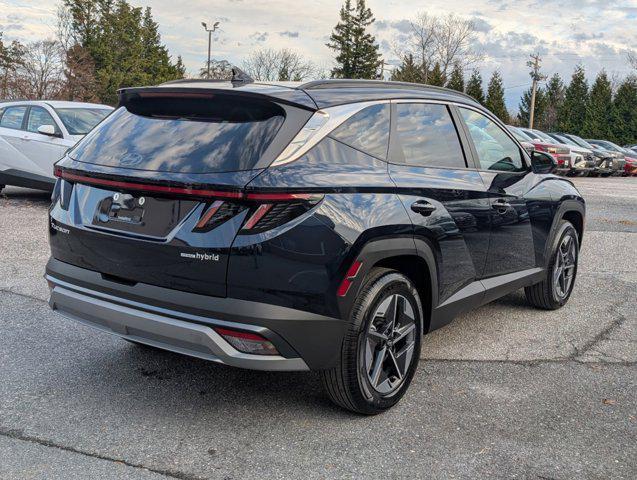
(247, 342)
(349, 278)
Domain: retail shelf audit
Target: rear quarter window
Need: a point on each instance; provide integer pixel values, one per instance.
(367, 131)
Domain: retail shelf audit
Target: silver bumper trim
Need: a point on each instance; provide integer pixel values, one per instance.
(179, 336)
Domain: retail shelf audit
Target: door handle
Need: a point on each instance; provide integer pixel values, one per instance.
(423, 207)
(501, 205)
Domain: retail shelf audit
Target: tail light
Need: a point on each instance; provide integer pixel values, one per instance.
(215, 213)
(274, 209)
(267, 210)
(247, 342)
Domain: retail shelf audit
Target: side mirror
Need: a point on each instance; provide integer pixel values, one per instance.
(542, 162)
(48, 130)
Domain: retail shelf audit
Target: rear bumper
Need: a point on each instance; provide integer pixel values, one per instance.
(139, 313)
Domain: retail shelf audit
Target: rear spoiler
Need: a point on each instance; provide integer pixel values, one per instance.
(273, 93)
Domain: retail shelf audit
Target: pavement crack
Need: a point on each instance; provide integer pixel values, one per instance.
(20, 435)
(604, 333)
(23, 295)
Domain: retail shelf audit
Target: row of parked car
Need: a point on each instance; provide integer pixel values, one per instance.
(580, 157)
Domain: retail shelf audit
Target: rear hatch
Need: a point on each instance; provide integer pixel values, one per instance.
(155, 194)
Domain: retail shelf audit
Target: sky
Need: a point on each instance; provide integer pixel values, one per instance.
(594, 33)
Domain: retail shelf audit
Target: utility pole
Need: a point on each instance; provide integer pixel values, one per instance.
(534, 63)
(209, 30)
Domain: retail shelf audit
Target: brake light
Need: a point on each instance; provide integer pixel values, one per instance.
(217, 213)
(247, 342)
(343, 288)
(145, 187)
(272, 209)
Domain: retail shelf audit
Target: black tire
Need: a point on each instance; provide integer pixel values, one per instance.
(349, 385)
(549, 294)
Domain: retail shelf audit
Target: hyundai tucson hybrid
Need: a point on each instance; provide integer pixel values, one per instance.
(307, 226)
(35, 134)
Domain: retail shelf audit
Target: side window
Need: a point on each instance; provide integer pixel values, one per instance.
(367, 130)
(426, 136)
(38, 116)
(12, 117)
(496, 150)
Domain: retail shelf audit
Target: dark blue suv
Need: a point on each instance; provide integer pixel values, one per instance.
(318, 226)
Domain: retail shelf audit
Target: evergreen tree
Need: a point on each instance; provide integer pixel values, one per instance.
(123, 43)
(625, 112)
(554, 99)
(599, 111)
(474, 86)
(357, 52)
(572, 114)
(456, 79)
(524, 114)
(408, 71)
(495, 97)
(436, 77)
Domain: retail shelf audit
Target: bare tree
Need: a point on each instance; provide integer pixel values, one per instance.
(268, 64)
(40, 74)
(219, 70)
(632, 58)
(11, 56)
(447, 41)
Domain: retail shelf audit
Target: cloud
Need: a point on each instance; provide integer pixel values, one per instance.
(403, 26)
(481, 25)
(259, 37)
(287, 33)
(585, 36)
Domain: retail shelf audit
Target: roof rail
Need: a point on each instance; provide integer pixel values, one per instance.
(351, 83)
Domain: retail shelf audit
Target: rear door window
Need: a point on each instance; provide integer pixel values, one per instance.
(184, 135)
(367, 131)
(426, 136)
(496, 150)
(13, 117)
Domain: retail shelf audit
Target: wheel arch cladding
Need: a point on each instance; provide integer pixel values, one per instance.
(577, 219)
(415, 261)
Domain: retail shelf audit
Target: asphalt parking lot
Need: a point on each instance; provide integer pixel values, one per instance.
(503, 392)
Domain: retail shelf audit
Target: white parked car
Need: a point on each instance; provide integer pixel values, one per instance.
(35, 134)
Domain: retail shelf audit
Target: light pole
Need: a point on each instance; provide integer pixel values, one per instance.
(209, 30)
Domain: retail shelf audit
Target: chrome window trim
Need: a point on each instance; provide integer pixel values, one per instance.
(332, 118)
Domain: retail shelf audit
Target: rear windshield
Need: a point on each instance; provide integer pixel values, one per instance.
(80, 121)
(185, 135)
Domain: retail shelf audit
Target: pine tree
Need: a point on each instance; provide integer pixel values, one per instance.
(408, 71)
(436, 77)
(495, 98)
(572, 114)
(123, 43)
(625, 112)
(456, 79)
(554, 99)
(599, 112)
(357, 52)
(524, 114)
(474, 86)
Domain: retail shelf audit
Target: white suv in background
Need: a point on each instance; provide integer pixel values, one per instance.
(35, 134)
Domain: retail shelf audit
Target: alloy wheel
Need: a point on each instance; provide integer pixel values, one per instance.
(564, 267)
(389, 344)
